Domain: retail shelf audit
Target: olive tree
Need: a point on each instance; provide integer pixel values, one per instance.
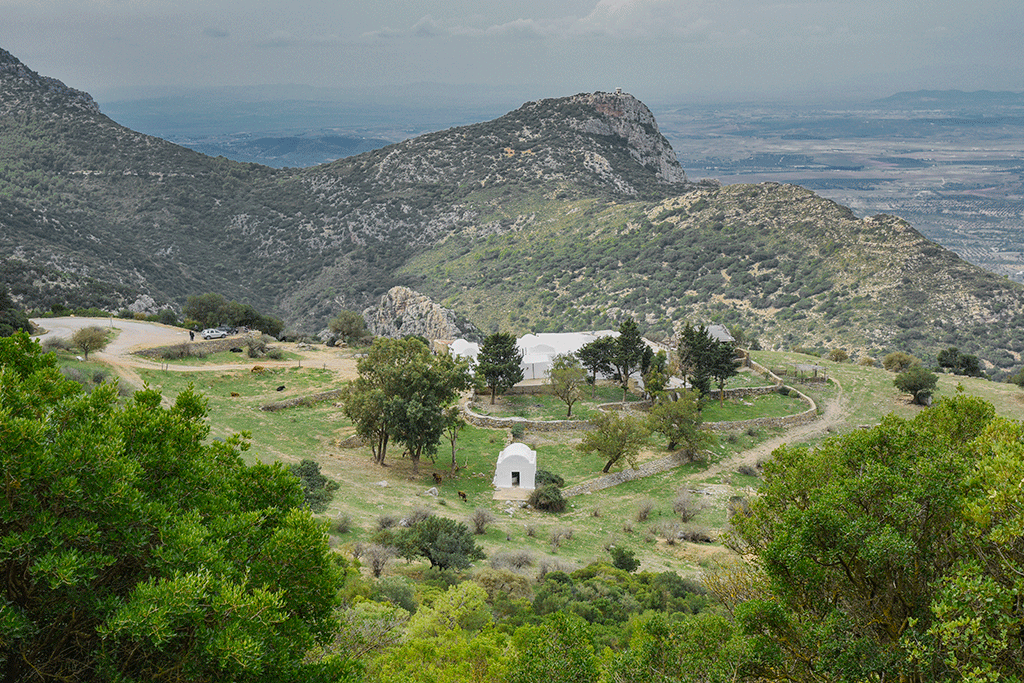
(617, 436)
(401, 394)
(90, 338)
(917, 382)
(567, 378)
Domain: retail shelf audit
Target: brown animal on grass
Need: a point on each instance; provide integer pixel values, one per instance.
(438, 478)
(462, 495)
(257, 369)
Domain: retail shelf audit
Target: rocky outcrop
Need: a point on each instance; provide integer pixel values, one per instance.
(23, 89)
(623, 115)
(403, 312)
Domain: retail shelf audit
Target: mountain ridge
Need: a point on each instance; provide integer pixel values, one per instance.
(565, 212)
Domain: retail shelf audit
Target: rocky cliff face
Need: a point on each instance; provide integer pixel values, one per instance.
(625, 116)
(403, 311)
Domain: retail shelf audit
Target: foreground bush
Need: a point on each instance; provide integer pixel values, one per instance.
(131, 547)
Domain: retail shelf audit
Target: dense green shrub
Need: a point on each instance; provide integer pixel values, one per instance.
(548, 498)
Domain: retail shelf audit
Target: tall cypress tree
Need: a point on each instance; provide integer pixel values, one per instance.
(499, 362)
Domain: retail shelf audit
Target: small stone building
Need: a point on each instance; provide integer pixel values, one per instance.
(516, 468)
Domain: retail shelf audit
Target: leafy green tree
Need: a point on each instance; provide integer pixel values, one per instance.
(90, 338)
(656, 375)
(453, 425)
(959, 363)
(558, 651)
(461, 607)
(134, 549)
(617, 436)
(630, 351)
(348, 325)
(454, 657)
(499, 363)
(401, 394)
(898, 361)
(855, 537)
(978, 620)
(707, 647)
(696, 357)
(208, 310)
(624, 559)
(445, 543)
(838, 355)
(680, 421)
(317, 489)
(567, 378)
(918, 382)
(722, 365)
(596, 357)
(212, 310)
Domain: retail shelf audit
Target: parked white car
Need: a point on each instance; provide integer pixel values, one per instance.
(212, 333)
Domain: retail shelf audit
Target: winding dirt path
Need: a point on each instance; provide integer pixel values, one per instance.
(836, 413)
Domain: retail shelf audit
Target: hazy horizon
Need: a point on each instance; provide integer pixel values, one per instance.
(661, 51)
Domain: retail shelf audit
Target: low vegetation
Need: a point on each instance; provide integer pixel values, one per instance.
(653, 553)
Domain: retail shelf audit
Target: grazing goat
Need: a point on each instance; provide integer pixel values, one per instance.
(438, 478)
(462, 495)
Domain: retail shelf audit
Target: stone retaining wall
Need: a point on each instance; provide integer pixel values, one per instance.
(205, 346)
(608, 480)
(764, 371)
(489, 422)
(808, 415)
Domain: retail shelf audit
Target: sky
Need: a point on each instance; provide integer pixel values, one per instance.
(658, 50)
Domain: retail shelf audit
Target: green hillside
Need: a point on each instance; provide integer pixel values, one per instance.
(787, 266)
(564, 214)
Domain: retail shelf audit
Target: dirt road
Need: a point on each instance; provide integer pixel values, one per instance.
(134, 335)
(832, 420)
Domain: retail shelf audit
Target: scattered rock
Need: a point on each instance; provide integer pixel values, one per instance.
(432, 491)
(354, 441)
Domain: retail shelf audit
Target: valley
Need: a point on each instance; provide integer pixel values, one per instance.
(854, 397)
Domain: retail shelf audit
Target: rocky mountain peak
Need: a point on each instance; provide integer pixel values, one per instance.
(625, 116)
(22, 88)
(611, 116)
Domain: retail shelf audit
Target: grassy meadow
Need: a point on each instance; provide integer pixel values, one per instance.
(639, 515)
